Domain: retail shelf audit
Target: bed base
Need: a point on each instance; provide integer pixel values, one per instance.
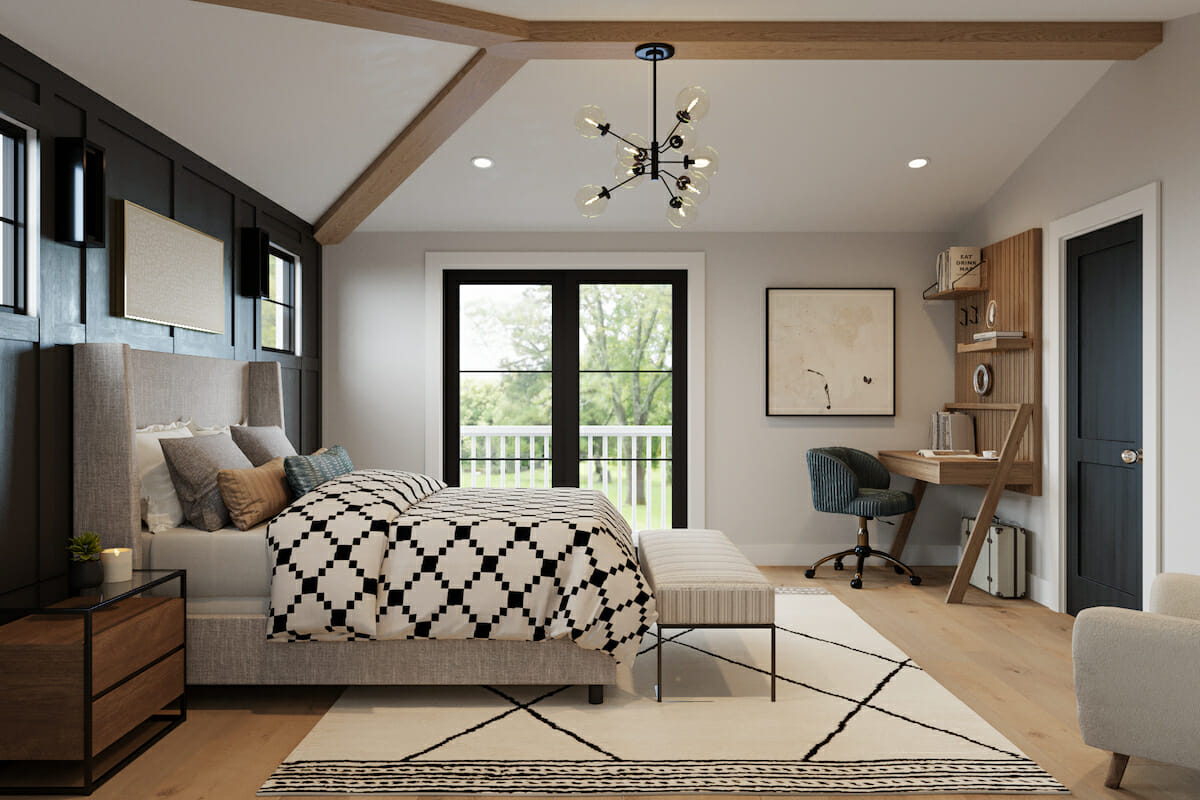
(232, 649)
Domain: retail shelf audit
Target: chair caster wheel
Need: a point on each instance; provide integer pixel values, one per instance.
(810, 573)
(898, 570)
(838, 565)
(856, 583)
(915, 580)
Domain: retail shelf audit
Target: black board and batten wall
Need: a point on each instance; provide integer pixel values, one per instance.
(145, 167)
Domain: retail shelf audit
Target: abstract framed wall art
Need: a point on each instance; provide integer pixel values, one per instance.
(831, 352)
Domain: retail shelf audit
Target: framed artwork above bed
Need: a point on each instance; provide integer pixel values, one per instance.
(831, 352)
(169, 273)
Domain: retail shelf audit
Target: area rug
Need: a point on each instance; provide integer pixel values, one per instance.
(854, 715)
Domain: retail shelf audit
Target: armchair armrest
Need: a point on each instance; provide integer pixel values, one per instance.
(1137, 684)
(1177, 595)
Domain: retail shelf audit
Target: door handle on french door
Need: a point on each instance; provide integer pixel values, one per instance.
(1132, 456)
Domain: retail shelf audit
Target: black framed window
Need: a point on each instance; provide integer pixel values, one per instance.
(13, 211)
(277, 309)
(569, 378)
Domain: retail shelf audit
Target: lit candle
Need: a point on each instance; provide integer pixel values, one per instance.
(117, 563)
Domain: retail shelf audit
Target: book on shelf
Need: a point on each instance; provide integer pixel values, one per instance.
(953, 431)
(957, 268)
(987, 336)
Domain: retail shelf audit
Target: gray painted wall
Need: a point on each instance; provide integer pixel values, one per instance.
(757, 484)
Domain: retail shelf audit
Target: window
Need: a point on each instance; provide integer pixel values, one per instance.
(569, 378)
(13, 208)
(278, 309)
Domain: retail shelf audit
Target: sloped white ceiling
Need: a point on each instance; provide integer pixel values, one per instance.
(298, 109)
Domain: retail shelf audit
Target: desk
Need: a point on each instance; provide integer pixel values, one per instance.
(995, 475)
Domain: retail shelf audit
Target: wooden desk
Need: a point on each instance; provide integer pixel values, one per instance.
(995, 475)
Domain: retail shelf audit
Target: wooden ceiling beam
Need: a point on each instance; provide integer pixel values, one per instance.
(466, 92)
(425, 19)
(841, 40)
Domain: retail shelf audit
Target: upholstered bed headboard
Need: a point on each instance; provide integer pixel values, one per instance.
(119, 389)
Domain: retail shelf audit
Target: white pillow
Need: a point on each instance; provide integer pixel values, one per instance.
(160, 505)
(208, 430)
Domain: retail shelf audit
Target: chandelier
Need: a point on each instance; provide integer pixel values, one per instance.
(683, 168)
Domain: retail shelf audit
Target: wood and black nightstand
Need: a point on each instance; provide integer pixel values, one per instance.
(88, 683)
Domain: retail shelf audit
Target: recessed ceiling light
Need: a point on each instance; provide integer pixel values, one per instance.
(483, 162)
(917, 163)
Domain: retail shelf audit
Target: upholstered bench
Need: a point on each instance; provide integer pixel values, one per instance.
(700, 580)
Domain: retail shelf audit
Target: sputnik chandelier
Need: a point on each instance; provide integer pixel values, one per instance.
(637, 158)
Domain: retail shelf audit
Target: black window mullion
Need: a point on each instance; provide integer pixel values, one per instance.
(452, 441)
(564, 446)
(679, 428)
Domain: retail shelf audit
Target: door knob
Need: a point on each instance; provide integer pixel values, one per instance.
(1132, 456)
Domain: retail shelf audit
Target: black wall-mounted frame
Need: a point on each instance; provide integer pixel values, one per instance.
(256, 250)
(79, 192)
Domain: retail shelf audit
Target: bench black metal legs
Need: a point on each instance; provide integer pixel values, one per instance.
(659, 629)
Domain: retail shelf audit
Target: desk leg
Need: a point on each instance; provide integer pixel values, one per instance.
(983, 520)
(906, 522)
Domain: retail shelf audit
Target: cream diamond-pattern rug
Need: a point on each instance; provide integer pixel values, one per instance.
(854, 715)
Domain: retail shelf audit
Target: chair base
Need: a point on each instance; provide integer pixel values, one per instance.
(861, 552)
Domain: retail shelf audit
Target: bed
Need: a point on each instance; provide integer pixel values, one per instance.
(238, 634)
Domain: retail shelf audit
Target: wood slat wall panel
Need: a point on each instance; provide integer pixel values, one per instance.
(1013, 276)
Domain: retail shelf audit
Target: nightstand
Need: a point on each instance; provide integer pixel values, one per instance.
(89, 683)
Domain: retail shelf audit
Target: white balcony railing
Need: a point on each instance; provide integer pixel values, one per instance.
(628, 463)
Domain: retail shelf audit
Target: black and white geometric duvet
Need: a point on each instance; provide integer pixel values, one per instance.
(395, 555)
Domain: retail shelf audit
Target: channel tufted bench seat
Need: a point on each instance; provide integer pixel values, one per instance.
(700, 580)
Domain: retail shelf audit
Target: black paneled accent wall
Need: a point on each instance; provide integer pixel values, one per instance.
(145, 167)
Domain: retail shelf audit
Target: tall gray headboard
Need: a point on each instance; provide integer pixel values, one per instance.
(119, 389)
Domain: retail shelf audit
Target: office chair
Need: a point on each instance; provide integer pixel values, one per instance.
(849, 481)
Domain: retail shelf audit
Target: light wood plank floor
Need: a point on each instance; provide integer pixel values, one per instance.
(1010, 660)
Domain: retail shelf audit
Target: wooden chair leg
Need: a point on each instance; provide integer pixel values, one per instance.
(1116, 771)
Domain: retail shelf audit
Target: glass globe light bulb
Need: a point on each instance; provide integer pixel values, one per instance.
(692, 104)
(588, 121)
(591, 200)
(693, 186)
(706, 160)
(686, 137)
(623, 173)
(632, 151)
(683, 213)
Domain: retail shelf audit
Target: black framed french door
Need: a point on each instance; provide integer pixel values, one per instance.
(569, 378)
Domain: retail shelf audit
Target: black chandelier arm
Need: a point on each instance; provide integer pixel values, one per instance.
(623, 139)
(667, 142)
(622, 183)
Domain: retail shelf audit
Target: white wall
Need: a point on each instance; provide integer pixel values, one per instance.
(757, 482)
(1140, 123)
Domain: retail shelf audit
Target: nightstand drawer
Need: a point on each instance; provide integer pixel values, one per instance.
(154, 629)
(117, 712)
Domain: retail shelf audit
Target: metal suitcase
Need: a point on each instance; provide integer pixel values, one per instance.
(1000, 569)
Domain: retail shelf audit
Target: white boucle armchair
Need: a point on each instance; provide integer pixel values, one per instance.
(1137, 677)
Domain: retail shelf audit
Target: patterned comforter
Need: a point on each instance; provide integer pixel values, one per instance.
(396, 555)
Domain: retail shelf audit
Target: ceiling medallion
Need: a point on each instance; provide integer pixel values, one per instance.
(637, 158)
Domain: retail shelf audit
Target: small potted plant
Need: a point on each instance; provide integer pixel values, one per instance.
(85, 570)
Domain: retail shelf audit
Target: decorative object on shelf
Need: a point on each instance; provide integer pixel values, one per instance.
(993, 311)
(117, 563)
(981, 380)
(85, 570)
(958, 268)
(637, 158)
(831, 352)
(79, 192)
(173, 274)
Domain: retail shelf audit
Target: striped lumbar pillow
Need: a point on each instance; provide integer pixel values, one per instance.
(255, 494)
(305, 473)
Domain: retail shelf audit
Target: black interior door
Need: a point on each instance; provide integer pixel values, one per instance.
(1104, 417)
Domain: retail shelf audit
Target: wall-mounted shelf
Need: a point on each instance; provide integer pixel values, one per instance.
(993, 345)
(952, 294)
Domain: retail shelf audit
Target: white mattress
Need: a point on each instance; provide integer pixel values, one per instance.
(228, 565)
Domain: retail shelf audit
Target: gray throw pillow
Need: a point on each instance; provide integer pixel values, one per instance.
(305, 473)
(194, 464)
(262, 443)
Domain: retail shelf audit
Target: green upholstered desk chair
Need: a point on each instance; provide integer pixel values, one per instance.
(849, 481)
